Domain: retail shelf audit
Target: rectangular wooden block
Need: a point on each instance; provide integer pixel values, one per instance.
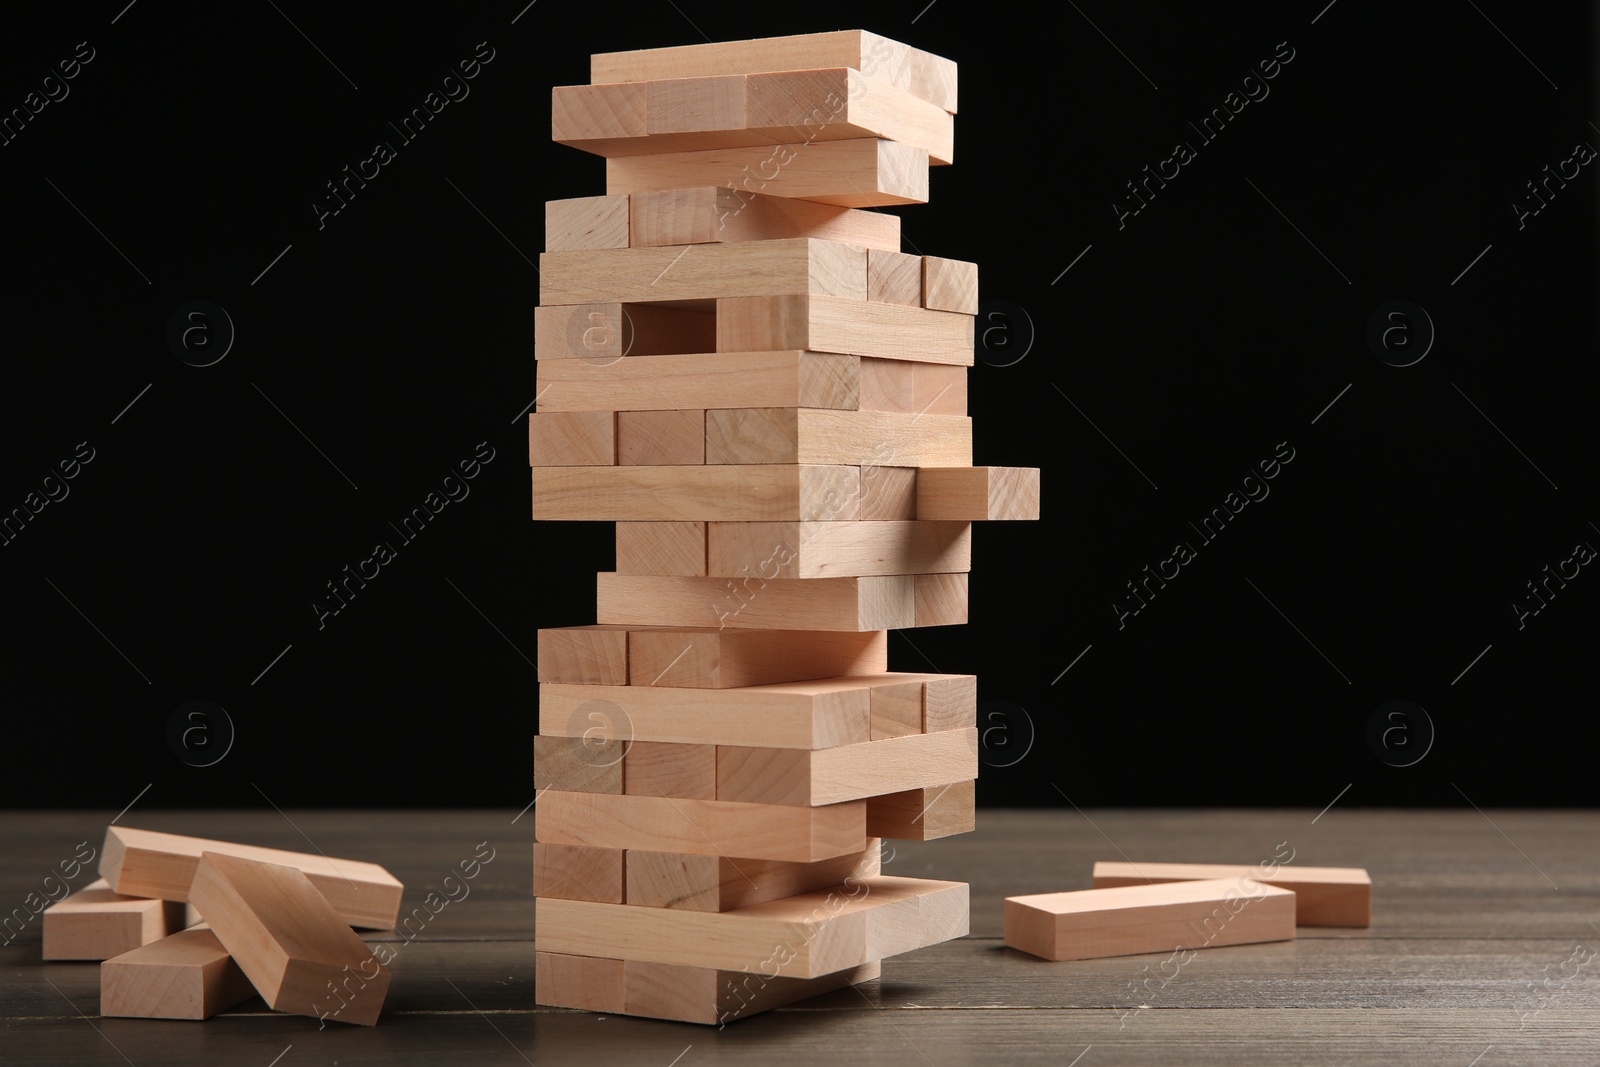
(941, 599)
(907, 386)
(288, 940)
(882, 602)
(96, 924)
(1324, 896)
(894, 277)
(598, 333)
(661, 548)
(718, 883)
(704, 271)
(671, 769)
(808, 435)
(581, 114)
(584, 763)
(849, 772)
(949, 285)
(837, 549)
(703, 827)
(725, 659)
(720, 213)
(578, 872)
(896, 710)
(586, 222)
(834, 103)
(691, 105)
(572, 438)
(588, 983)
(924, 814)
(660, 438)
(1092, 923)
(975, 494)
(735, 493)
(704, 380)
(584, 655)
(949, 702)
(820, 322)
(185, 975)
(145, 863)
(709, 996)
(859, 173)
(886, 493)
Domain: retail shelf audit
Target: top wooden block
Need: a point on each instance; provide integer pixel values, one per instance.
(922, 74)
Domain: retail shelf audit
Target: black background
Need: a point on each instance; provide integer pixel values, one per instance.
(1221, 320)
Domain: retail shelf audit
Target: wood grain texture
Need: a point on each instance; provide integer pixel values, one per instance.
(837, 549)
(924, 814)
(976, 494)
(848, 772)
(821, 322)
(1324, 896)
(671, 769)
(586, 222)
(578, 872)
(584, 655)
(912, 387)
(724, 659)
(186, 975)
(740, 493)
(584, 763)
(720, 213)
(806, 435)
(660, 438)
(704, 271)
(949, 285)
(858, 173)
(708, 996)
(96, 924)
(869, 603)
(661, 548)
(572, 439)
(718, 883)
(702, 380)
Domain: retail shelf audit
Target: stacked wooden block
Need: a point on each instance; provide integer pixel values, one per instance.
(738, 364)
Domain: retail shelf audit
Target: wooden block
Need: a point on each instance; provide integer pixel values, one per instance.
(807, 435)
(1324, 896)
(96, 924)
(586, 222)
(829, 104)
(836, 549)
(941, 599)
(896, 710)
(584, 655)
(725, 659)
(660, 438)
(688, 105)
(669, 769)
(577, 872)
(584, 114)
(849, 772)
(881, 602)
(803, 936)
(703, 380)
(735, 493)
(923, 74)
(661, 548)
(886, 494)
(588, 983)
(145, 863)
(949, 285)
(585, 763)
(821, 322)
(296, 950)
(1092, 923)
(809, 714)
(186, 975)
(720, 213)
(924, 814)
(918, 388)
(860, 173)
(894, 277)
(572, 438)
(707, 271)
(718, 883)
(708, 996)
(702, 827)
(949, 702)
(975, 494)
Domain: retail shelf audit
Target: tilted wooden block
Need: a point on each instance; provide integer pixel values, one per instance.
(572, 438)
(725, 659)
(735, 493)
(185, 975)
(296, 950)
(584, 655)
(894, 277)
(836, 549)
(850, 772)
(949, 285)
(916, 388)
(807, 435)
(578, 872)
(709, 996)
(924, 814)
(588, 983)
(671, 769)
(859, 173)
(586, 222)
(717, 883)
(833, 103)
(145, 863)
(661, 548)
(598, 333)
(661, 438)
(706, 271)
(1324, 896)
(1170, 917)
(870, 603)
(974, 494)
(585, 762)
(941, 599)
(708, 380)
(896, 710)
(949, 702)
(719, 213)
(822, 322)
(96, 924)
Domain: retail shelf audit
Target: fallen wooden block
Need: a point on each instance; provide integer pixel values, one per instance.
(705, 271)
(661, 548)
(834, 103)
(975, 494)
(859, 173)
(1168, 917)
(871, 603)
(923, 814)
(896, 710)
(586, 222)
(706, 379)
(949, 702)
(145, 863)
(717, 213)
(578, 872)
(824, 322)
(96, 924)
(301, 955)
(704, 995)
(692, 882)
(580, 114)
(1324, 896)
(836, 549)
(850, 772)
(727, 492)
(584, 655)
(572, 438)
(808, 435)
(185, 975)
(726, 659)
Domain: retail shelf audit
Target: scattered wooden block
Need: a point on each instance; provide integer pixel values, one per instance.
(572, 438)
(822, 322)
(671, 769)
(896, 710)
(145, 863)
(578, 872)
(834, 103)
(721, 213)
(288, 940)
(850, 772)
(1324, 896)
(661, 548)
(704, 380)
(660, 438)
(975, 494)
(836, 549)
(703, 827)
(1169, 917)
(185, 975)
(807, 435)
(586, 763)
(585, 114)
(941, 599)
(708, 996)
(726, 659)
(949, 285)
(588, 983)
(924, 814)
(916, 388)
(894, 277)
(96, 924)
(949, 702)
(872, 603)
(717, 883)
(586, 222)
(735, 493)
(584, 655)
(860, 173)
(706, 271)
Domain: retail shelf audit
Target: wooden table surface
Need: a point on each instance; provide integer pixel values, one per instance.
(1482, 951)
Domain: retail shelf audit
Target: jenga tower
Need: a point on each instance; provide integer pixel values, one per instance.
(739, 366)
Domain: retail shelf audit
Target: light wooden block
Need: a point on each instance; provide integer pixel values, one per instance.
(834, 103)
(820, 322)
(96, 924)
(924, 814)
(941, 599)
(661, 548)
(836, 549)
(586, 222)
(596, 334)
(807, 435)
(588, 983)
(669, 769)
(581, 115)
(720, 213)
(688, 105)
(145, 863)
(572, 439)
(949, 285)
(949, 702)
(1324, 896)
(859, 173)
(896, 710)
(849, 772)
(300, 955)
(882, 602)
(733, 493)
(584, 763)
(706, 380)
(886, 494)
(1168, 917)
(706, 271)
(703, 827)
(584, 655)
(725, 659)
(708, 996)
(578, 872)
(976, 494)
(894, 277)
(917, 388)
(718, 883)
(186, 975)
(660, 438)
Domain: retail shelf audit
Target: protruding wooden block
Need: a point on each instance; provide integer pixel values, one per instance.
(849, 772)
(96, 924)
(578, 872)
(185, 975)
(1324, 896)
(584, 655)
(705, 271)
(808, 435)
(864, 172)
(296, 950)
(941, 599)
(588, 983)
(670, 769)
(915, 388)
(924, 814)
(727, 492)
(661, 438)
(949, 702)
(585, 114)
(975, 494)
(871, 603)
(718, 883)
(833, 103)
(822, 322)
(725, 659)
(145, 863)
(896, 710)
(688, 105)
(720, 213)
(586, 222)
(894, 277)
(708, 996)
(661, 548)
(836, 549)
(572, 438)
(949, 285)
(704, 380)
(1170, 917)
(585, 763)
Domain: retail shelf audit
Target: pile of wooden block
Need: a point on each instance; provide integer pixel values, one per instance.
(739, 366)
(187, 927)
